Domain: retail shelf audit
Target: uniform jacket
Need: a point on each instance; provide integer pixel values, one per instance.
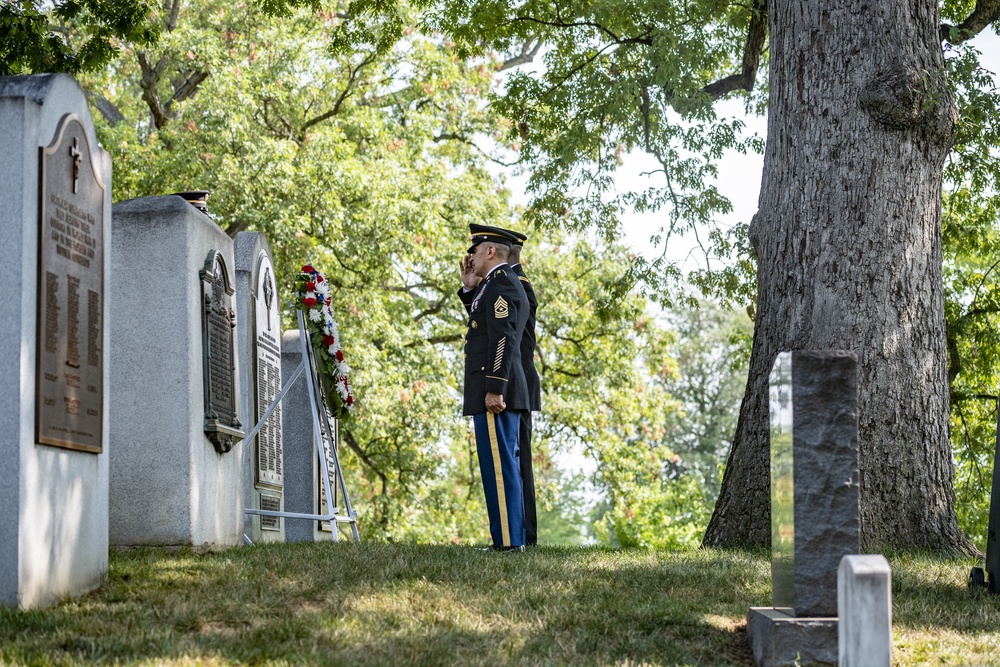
(528, 342)
(498, 312)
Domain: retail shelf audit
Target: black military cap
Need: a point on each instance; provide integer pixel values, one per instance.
(521, 238)
(482, 233)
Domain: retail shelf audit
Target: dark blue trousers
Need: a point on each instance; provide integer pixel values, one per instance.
(500, 468)
(528, 481)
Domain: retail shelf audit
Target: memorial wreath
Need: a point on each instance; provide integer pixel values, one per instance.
(312, 297)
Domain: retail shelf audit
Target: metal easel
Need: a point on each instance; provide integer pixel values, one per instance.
(324, 437)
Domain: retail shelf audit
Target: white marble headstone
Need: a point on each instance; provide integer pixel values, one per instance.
(259, 311)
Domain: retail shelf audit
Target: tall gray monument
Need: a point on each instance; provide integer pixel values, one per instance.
(305, 495)
(259, 348)
(55, 183)
(176, 477)
(815, 515)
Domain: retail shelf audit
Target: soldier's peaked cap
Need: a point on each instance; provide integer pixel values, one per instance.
(521, 238)
(482, 233)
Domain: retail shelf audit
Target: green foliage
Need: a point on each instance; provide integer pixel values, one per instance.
(607, 78)
(972, 286)
(366, 164)
(604, 395)
(69, 35)
(712, 352)
(666, 491)
(562, 510)
(652, 513)
(956, 10)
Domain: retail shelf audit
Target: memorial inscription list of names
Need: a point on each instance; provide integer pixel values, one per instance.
(222, 424)
(267, 320)
(70, 374)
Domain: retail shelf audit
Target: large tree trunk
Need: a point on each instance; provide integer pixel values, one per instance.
(848, 239)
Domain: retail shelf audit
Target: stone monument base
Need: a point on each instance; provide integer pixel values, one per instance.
(778, 639)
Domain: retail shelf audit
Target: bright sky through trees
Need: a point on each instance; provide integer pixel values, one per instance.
(739, 175)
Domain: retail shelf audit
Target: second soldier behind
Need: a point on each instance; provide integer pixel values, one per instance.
(534, 392)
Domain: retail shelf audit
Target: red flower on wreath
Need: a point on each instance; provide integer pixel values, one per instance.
(309, 301)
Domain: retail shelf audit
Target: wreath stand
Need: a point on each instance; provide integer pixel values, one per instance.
(325, 439)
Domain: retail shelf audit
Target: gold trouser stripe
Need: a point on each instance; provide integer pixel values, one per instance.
(498, 471)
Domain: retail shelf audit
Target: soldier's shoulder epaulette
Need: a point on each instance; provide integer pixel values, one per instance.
(500, 272)
(524, 279)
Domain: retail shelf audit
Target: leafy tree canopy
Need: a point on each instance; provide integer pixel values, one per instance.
(361, 137)
(70, 35)
(366, 163)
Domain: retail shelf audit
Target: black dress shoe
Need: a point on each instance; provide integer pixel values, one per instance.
(508, 549)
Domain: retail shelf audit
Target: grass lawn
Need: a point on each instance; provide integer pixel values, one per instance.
(391, 604)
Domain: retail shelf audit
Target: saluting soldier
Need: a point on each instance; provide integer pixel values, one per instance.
(496, 392)
(534, 392)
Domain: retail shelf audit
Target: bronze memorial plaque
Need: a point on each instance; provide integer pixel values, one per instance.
(267, 322)
(69, 389)
(222, 426)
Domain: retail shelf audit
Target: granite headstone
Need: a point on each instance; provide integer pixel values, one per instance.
(55, 183)
(303, 492)
(171, 484)
(815, 515)
(258, 309)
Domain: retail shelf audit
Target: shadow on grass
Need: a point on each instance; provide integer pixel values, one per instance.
(384, 604)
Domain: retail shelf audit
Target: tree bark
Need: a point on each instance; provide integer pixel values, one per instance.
(848, 241)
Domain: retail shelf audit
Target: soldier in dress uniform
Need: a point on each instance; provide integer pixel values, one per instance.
(534, 392)
(496, 391)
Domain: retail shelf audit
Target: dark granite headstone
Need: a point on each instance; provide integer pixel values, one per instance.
(299, 448)
(815, 516)
(992, 578)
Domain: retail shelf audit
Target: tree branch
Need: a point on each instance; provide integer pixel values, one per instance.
(956, 398)
(954, 359)
(107, 109)
(354, 446)
(984, 13)
(572, 24)
(344, 94)
(528, 52)
(152, 74)
(756, 36)
(173, 10)
(187, 88)
(150, 78)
